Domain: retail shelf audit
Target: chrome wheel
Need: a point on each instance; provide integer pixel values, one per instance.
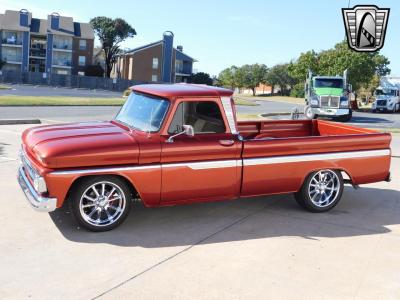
(102, 203)
(308, 113)
(324, 188)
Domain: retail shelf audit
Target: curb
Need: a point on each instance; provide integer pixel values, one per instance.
(19, 121)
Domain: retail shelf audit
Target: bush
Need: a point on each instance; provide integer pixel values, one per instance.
(127, 92)
(298, 90)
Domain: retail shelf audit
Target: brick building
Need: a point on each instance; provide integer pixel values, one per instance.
(155, 62)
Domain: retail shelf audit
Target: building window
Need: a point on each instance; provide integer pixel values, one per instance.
(62, 72)
(178, 66)
(82, 60)
(154, 78)
(155, 63)
(82, 44)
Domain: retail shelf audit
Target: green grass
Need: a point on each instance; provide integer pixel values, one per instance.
(11, 100)
(4, 87)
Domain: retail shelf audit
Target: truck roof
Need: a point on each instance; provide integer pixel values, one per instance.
(181, 90)
(329, 77)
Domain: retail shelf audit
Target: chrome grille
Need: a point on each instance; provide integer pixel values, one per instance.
(330, 101)
(381, 102)
(28, 166)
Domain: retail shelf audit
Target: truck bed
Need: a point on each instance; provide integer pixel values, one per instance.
(288, 150)
(287, 137)
(296, 128)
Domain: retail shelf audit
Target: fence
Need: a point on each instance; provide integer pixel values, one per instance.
(72, 81)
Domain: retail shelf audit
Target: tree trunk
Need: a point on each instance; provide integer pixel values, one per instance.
(254, 91)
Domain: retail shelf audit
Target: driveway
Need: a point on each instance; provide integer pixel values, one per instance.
(258, 248)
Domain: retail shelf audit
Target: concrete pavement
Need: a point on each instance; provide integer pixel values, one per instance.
(261, 248)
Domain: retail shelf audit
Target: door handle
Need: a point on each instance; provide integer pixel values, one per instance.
(226, 142)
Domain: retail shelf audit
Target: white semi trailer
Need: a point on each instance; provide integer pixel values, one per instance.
(387, 95)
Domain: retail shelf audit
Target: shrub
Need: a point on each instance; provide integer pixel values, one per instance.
(127, 92)
(298, 90)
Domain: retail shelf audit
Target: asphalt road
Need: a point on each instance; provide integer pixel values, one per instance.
(89, 113)
(258, 248)
(35, 90)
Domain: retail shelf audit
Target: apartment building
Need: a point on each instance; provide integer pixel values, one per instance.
(53, 45)
(155, 62)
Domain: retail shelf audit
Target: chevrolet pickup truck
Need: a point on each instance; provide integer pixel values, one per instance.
(181, 143)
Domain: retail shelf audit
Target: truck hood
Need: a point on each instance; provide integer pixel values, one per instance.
(81, 144)
(328, 91)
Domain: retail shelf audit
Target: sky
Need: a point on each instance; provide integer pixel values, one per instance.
(223, 33)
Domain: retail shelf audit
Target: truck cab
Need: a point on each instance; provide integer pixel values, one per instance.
(387, 96)
(327, 96)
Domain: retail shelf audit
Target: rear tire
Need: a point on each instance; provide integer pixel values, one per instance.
(321, 191)
(100, 203)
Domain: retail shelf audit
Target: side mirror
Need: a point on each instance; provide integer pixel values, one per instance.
(187, 130)
(349, 87)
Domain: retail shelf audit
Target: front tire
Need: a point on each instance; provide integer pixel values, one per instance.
(309, 113)
(321, 191)
(100, 203)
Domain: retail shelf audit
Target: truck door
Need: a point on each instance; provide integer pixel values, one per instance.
(206, 166)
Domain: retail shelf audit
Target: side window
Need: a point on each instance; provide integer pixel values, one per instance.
(203, 116)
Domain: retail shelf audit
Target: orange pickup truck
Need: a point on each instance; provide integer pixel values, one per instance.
(180, 143)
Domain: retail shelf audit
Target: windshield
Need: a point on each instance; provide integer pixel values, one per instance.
(143, 112)
(328, 83)
(385, 92)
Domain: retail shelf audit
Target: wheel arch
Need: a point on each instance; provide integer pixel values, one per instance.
(346, 176)
(80, 179)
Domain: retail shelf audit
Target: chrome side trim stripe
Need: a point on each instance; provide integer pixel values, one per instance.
(102, 170)
(314, 157)
(206, 164)
(203, 165)
(192, 165)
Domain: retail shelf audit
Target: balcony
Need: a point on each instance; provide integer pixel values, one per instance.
(12, 55)
(37, 53)
(11, 42)
(12, 59)
(62, 64)
(11, 38)
(62, 47)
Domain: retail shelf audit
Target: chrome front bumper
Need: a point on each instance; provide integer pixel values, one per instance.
(38, 202)
(330, 111)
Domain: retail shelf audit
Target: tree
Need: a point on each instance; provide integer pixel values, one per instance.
(227, 77)
(361, 66)
(279, 75)
(252, 76)
(111, 32)
(201, 78)
(306, 61)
